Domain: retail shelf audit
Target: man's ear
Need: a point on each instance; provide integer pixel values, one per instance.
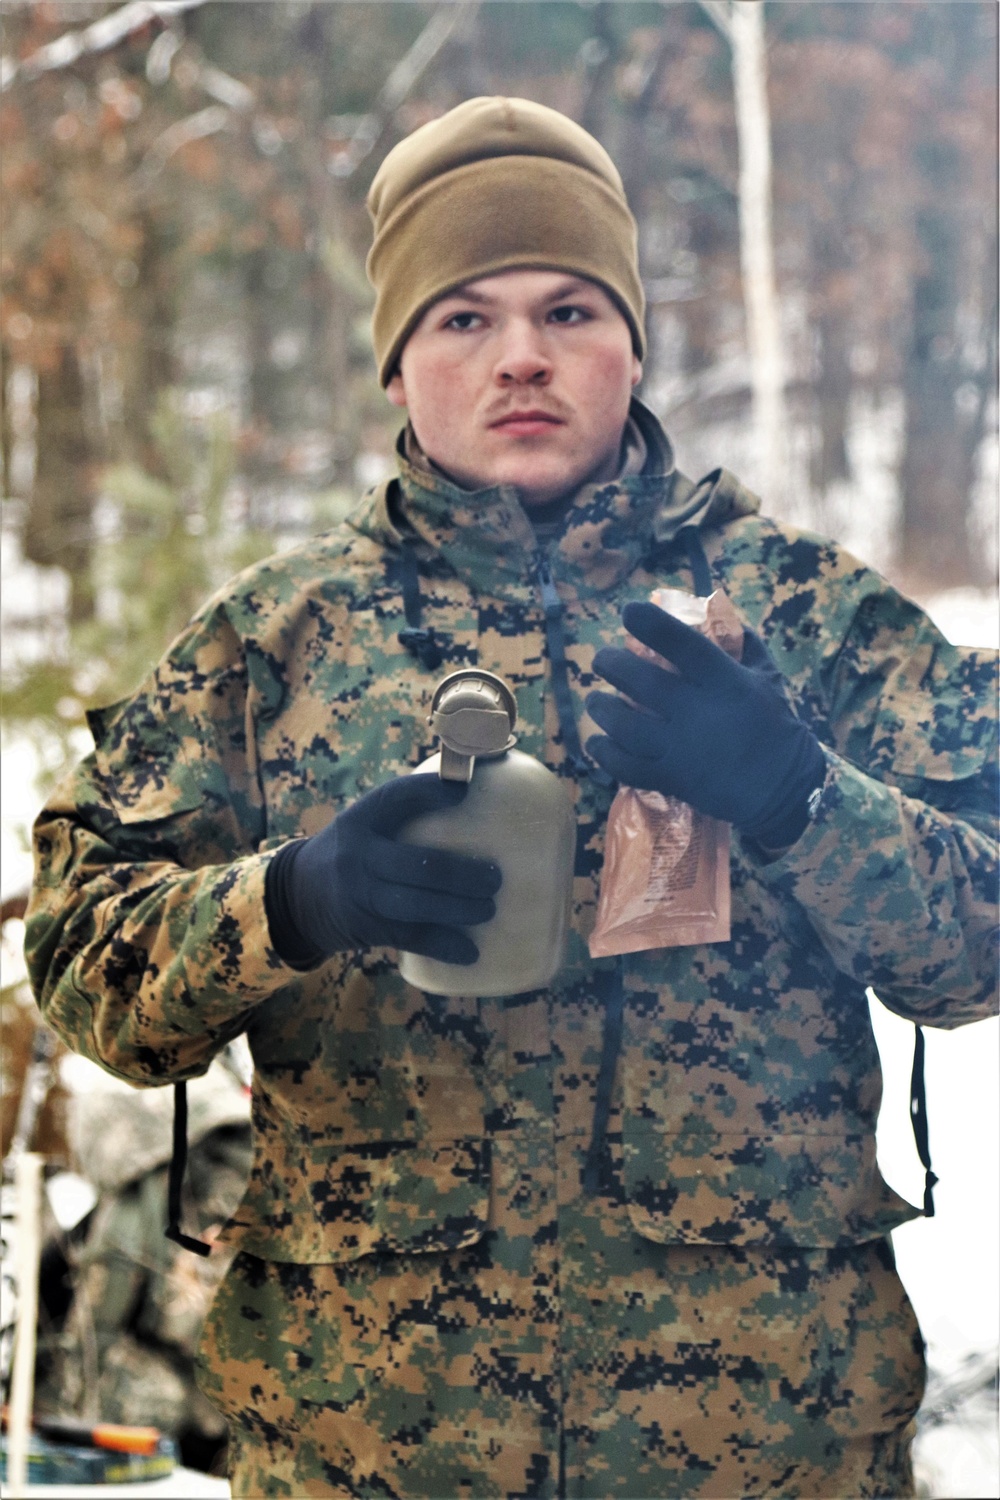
(395, 390)
(636, 370)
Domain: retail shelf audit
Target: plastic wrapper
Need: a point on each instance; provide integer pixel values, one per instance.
(665, 881)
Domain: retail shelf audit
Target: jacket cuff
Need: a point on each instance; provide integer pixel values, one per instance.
(243, 962)
(855, 823)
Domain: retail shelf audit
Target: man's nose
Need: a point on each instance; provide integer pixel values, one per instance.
(522, 358)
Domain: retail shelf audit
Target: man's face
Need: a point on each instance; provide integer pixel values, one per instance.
(523, 378)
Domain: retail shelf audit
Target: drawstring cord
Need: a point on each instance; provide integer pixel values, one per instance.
(611, 983)
(175, 1181)
(918, 1119)
(597, 1165)
(690, 539)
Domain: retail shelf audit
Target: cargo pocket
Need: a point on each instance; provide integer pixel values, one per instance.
(709, 1188)
(381, 1197)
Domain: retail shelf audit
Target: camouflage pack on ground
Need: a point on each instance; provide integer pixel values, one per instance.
(126, 1348)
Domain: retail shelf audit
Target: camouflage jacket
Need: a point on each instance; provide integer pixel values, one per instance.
(748, 1082)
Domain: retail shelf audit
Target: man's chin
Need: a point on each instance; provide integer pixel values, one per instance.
(542, 487)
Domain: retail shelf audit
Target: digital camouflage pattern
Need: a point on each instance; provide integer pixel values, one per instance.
(721, 1307)
(557, 1356)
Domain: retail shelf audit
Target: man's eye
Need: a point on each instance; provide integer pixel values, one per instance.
(569, 315)
(463, 322)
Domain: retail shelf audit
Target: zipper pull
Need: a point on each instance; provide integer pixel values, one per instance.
(551, 602)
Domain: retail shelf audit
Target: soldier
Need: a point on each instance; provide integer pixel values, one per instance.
(625, 1235)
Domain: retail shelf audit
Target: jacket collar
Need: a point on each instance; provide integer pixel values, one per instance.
(487, 538)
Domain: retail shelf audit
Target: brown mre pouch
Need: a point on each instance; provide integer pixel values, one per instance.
(665, 880)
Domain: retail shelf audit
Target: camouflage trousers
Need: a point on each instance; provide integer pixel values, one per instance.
(569, 1358)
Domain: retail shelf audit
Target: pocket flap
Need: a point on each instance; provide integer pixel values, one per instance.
(376, 1198)
(802, 1190)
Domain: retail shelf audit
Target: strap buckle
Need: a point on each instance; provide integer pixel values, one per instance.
(424, 645)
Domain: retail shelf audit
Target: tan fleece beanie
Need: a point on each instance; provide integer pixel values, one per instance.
(493, 185)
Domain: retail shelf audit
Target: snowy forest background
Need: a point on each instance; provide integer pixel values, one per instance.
(187, 380)
(187, 371)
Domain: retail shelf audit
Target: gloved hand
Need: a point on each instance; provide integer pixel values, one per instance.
(353, 886)
(718, 734)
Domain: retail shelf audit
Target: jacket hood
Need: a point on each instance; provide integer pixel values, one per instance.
(486, 536)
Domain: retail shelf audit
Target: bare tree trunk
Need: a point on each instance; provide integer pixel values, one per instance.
(58, 523)
(763, 312)
(834, 380)
(147, 363)
(948, 388)
(597, 58)
(938, 468)
(938, 465)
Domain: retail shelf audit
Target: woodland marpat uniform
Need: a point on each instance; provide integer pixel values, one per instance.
(426, 1301)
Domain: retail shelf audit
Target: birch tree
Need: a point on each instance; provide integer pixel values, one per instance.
(742, 24)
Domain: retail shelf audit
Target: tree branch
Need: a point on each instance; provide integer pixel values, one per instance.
(206, 122)
(13, 908)
(98, 37)
(719, 13)
(445, 21)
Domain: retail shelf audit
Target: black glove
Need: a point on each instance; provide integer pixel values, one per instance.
(718, 734)
(352, 886)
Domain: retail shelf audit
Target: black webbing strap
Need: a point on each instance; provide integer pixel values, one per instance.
(175, 1181)
(420, 643)
(918, 1119)
(690, 539)
(597, 1167)
(555, 638)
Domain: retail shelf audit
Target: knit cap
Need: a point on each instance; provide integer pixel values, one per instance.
(493, 185)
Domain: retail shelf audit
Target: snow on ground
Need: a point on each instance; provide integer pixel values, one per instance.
(968, 617)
